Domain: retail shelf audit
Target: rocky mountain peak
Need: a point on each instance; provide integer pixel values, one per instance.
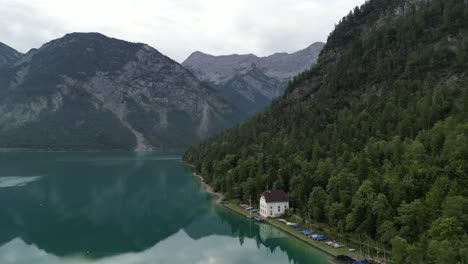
(250, 82)
(279, 65)
(92, 91)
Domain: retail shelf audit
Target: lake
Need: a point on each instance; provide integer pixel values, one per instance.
(122, 208)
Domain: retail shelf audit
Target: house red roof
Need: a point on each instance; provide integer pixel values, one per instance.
(275, 196)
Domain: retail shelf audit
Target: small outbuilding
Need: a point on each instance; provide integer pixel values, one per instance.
(273, 203)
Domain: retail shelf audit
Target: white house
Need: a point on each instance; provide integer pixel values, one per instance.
(273, 203)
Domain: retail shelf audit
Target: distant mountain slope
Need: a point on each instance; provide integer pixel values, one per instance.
(373, 141)
(8, 55)
(280, 65)
(248, 81)
(88, 91)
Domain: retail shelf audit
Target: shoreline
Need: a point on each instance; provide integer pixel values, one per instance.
(290, 233)
(27, 150)
(208, 189)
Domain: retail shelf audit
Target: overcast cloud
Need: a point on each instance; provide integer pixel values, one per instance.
(177, 27)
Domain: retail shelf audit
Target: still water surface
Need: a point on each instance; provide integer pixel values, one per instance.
(125, 208)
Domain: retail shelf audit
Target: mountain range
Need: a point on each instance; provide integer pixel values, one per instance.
(249, 82)
(89, 91)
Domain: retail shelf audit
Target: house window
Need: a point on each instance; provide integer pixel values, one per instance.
(285, 207)
(271, 213)
(271, 207)
(279, 208)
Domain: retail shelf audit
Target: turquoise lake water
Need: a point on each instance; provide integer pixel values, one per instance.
(125, 208)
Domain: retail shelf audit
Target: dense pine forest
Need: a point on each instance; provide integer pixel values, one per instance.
(374, 139)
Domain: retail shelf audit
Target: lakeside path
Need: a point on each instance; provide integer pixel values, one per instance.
(333, 252)
(288, 230)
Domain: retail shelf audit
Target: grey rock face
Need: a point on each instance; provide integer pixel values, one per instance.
(86, 90)
(280, 65)
(250, 82)
(8, 55)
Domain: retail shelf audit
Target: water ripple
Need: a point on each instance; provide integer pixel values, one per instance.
(17, 181)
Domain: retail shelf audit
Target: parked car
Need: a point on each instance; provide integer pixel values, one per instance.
(336, 245)
(321, 238)
(258, 219)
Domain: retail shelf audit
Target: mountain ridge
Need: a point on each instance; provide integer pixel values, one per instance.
(8, 55)
(129, 94)
(250, 82)
(236, 60)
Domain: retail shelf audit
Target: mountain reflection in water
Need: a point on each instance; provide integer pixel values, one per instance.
(125, 208)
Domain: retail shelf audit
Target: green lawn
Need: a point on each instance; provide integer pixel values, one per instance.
(291, 231)
(239, 210)
(320, 245)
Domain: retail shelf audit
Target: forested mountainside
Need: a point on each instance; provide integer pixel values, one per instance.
(89, 91)
(374, 139)
(249, 82)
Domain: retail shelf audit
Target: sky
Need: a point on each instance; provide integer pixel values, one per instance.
(177, 27)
